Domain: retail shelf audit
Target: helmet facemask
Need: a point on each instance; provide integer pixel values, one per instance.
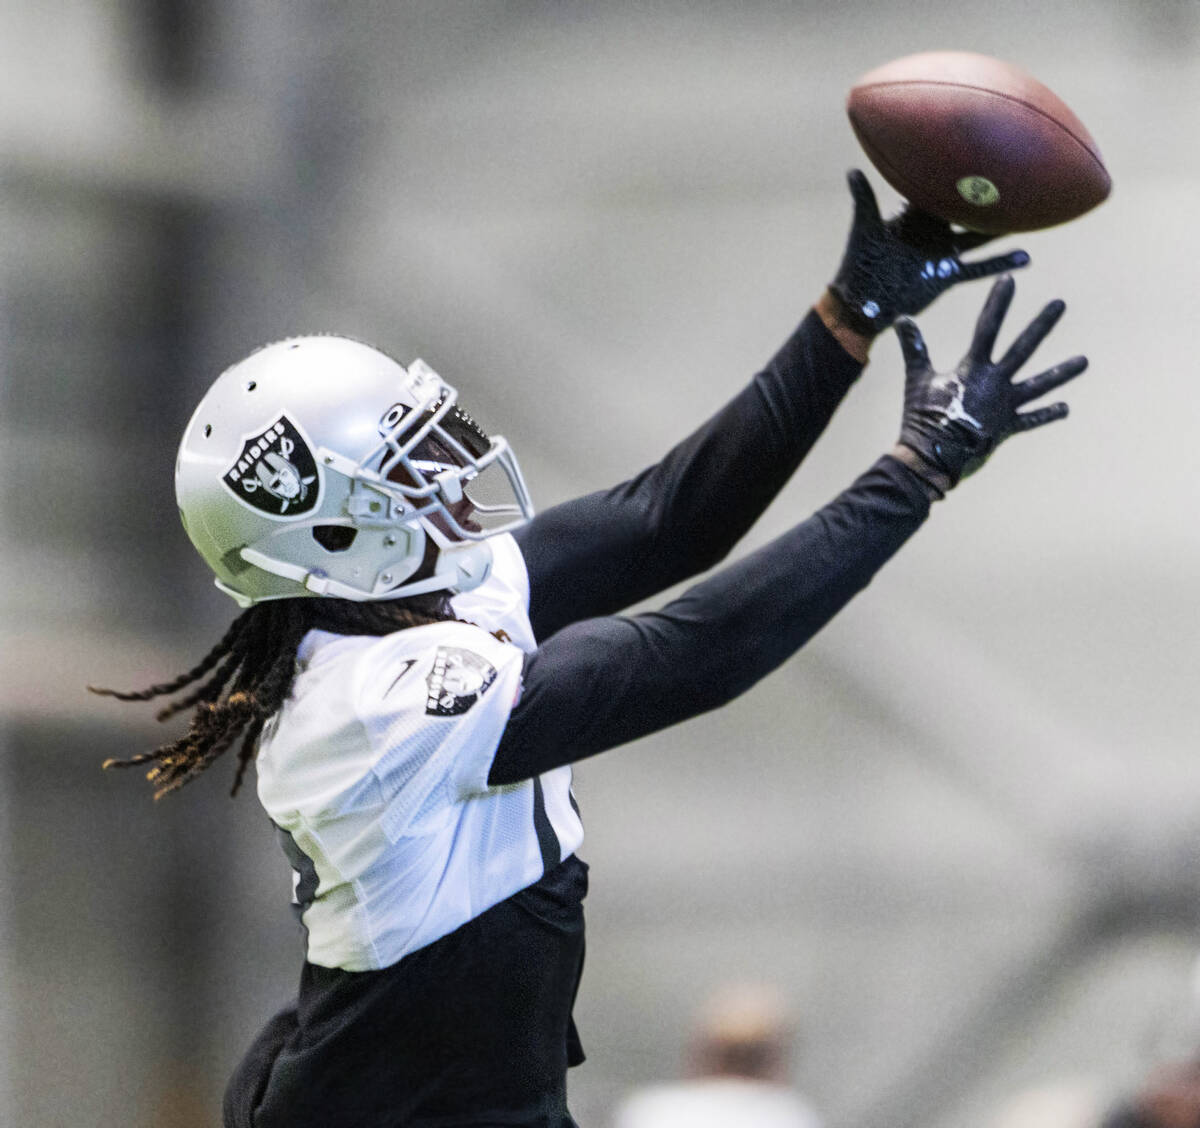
(433, 451)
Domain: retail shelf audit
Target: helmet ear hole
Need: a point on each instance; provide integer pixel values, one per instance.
(334, 538)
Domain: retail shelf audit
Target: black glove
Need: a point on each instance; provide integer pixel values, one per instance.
(954, 420)
(899, 266)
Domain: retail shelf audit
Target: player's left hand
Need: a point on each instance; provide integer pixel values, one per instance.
(954, 420)
(898, 266)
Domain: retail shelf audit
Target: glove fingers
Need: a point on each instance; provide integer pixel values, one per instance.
(866, 207)
(1043, 382)
(1031, 336)
(1027, 420)
(987, 327)
(912, 344)
(998, 265)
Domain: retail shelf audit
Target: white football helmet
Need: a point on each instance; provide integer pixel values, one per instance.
(318, 466)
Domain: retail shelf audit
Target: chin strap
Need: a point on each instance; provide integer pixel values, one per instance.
(460, 567)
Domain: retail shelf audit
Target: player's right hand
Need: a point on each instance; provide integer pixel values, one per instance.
(954, 420)
(898, 266)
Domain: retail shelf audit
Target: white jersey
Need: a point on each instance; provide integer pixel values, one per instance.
(375, 772)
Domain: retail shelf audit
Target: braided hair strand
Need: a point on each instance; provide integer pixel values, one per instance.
(245, 679)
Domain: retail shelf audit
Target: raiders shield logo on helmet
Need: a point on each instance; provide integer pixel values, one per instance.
(276, 472)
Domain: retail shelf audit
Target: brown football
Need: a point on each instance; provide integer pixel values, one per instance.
(977, 141)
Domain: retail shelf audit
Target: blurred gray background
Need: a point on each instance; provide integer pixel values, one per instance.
(960, 831)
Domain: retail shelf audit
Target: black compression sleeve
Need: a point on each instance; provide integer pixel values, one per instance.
(603, 552)
(602, 682)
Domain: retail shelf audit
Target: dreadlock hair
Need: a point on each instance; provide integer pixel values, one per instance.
(248, 675)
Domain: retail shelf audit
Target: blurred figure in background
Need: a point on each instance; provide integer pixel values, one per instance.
(1064, 1103)
(739, 1071)
(1168, 1098)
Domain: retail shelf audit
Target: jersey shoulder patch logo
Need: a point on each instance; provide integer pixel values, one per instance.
(458, 679)
(276, 472)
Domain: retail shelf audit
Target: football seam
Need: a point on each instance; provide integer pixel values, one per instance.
(1008, 98)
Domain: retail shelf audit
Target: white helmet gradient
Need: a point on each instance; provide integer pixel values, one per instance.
(319, 466)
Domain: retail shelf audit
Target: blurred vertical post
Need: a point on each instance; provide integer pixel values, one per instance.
(8, 969)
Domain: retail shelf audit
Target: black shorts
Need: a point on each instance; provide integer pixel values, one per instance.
(474, 1029)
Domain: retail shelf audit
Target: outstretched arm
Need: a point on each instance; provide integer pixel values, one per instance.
(602, 682)
(599, 683)
(598, 554)
(603, 552)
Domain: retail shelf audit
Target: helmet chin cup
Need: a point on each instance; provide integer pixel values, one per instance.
(472, 564)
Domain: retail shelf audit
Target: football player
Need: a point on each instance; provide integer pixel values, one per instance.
(420, 659)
